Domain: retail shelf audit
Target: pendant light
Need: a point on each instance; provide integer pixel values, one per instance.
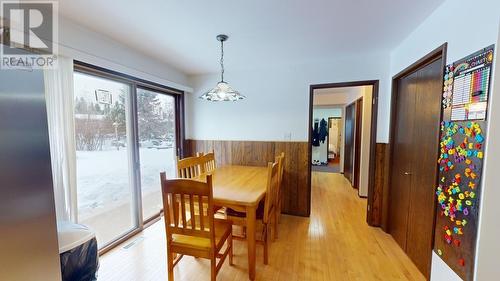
(222, 91)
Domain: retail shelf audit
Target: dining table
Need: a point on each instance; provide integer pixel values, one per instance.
(241, 188)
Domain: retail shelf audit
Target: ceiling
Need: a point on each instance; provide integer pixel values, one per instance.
(262, 32)
(337, 96)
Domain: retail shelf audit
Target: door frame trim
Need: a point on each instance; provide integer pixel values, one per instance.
(358, 132)
(329, 137)
(373, 137)
(437, 53)
(353, 145)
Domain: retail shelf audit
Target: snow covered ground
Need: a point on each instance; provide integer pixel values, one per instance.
(103, 179)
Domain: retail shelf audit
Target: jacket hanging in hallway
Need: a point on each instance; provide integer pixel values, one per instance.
(323, 130)
(315, 133)
(319, 132)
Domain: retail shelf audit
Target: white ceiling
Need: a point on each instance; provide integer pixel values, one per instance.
(262, 32)
(337, 96)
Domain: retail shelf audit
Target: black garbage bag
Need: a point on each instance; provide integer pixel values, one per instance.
(80, 263)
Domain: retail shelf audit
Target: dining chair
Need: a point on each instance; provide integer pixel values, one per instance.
(266, 211)
(192, 233)
(280, 159)
(207, 165)
(188, 168)
(207, 162)
(279, 197)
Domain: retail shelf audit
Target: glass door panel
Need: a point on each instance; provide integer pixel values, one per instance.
(157, 148)
(104, 183)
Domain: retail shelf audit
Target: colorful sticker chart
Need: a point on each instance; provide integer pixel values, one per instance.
(448, 86)
(471, 82)
(462, 144)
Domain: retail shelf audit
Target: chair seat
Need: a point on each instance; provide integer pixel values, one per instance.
(222, 230)
(216, 208)
(260, 212)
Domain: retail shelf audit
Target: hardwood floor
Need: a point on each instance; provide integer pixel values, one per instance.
(335, 243)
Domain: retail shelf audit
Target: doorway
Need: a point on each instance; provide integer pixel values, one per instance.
(358, 101)
(335, 135)
(326, 146)
(353, 145)
(416, 112)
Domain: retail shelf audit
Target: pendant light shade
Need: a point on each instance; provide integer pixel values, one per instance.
(222, 91)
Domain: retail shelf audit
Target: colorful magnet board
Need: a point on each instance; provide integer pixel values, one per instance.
(463, 137)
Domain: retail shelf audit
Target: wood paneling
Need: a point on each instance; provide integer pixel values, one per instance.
(377, 214)
(259, 153)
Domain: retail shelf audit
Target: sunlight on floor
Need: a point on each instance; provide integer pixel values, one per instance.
(335, 243)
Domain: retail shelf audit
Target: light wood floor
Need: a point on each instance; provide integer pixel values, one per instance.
(335, 243)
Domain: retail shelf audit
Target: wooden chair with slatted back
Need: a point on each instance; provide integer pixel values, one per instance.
(266, 212)
(189, 167)
(208, 161)
(280, 159)
(193, 233)
(207, 165)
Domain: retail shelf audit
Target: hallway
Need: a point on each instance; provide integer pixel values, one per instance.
(335, 243)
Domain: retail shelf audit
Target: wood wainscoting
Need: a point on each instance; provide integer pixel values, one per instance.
(296, 181)
(377, 214)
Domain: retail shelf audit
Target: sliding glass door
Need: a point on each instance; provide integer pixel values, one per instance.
(126, 134)
(156, 118)
(104, 186)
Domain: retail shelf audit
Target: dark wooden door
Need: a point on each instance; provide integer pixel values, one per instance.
(424, 172)
(414, 166)
(402, 159)
(357, 142)
(350, 117)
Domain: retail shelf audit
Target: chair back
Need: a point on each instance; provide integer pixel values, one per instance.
(271, 190)
(280, 159)
(281, 164)
(188, 220)
(189, 167)
(207, 162)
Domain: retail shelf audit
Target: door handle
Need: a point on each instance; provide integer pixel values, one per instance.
(407, 173)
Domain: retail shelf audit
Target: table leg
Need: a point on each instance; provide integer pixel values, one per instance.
(251, 221)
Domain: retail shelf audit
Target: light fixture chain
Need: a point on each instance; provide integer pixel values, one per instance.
(222, 91)
(222, 60)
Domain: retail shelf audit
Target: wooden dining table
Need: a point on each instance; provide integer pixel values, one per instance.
(241, 188)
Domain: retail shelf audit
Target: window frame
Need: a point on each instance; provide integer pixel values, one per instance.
(135, 83)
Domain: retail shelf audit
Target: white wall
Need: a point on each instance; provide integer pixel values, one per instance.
(440, 270)
(467, 26)
(488, 263)
(92, 47)
(278, 99)
(321, 152)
